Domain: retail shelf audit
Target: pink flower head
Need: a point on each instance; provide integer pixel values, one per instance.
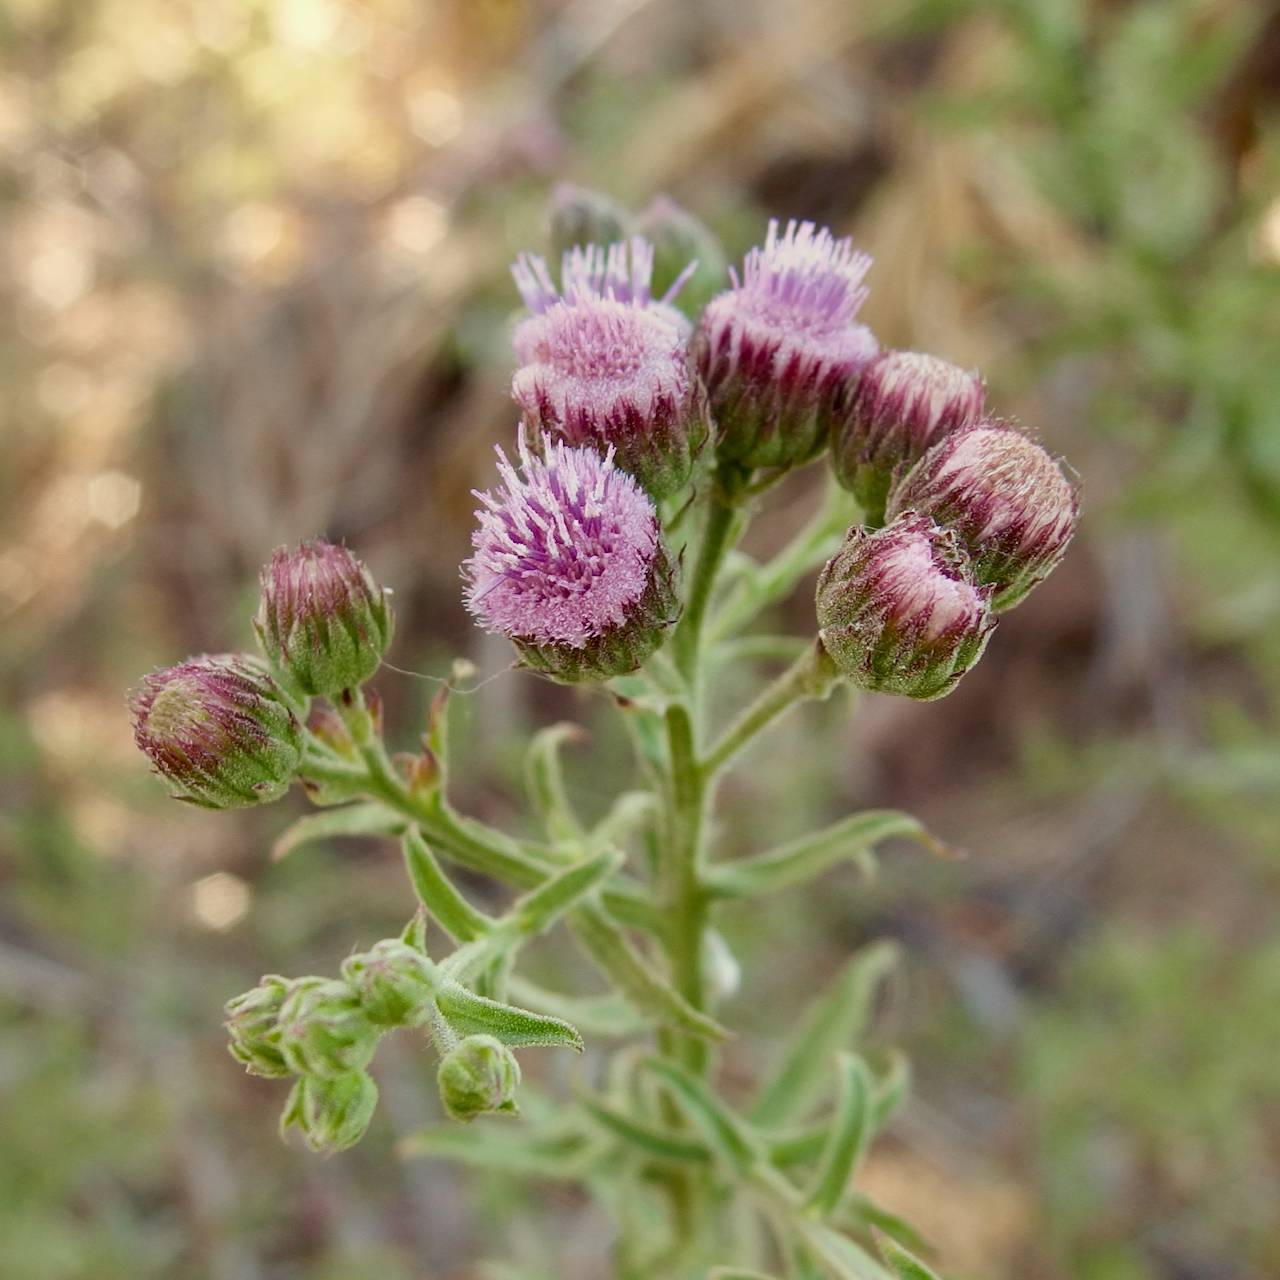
(218, 730)
(778, 349)
(899, 610)
(904, 402)
(569, 563)
(605, 365)
(1006, 498)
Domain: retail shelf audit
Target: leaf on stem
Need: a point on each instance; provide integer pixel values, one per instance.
(544, 780)
(537, 911)
(518, 1152)
(353, 820)
(906, 1266)
(438, 894)
(848, 1137)
(831, 1023)
(602, 1017)
(650, 1140)
(469, 1014)
(729, 1136)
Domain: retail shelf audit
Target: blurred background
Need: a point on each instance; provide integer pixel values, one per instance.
(253, 287)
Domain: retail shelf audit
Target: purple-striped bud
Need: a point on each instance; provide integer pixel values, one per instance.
(570, 564)
(603, 364)
(322, 620)
(218, 730)
(253, 1027)
(778, 349)
(899, 610)
(1006, 499)
(904, 402)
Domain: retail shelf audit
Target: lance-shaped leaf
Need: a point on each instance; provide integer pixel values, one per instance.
(632, 809)
(848, 1136)
(830, 1024)
(729, 1136)
(519, 1151)
(906, 1266)
(650, 1140)
(469, 1015)
(437, 893)
(544, 781)
(851, 839)
(619, 961)
(606, 1016)
(537, 911)
(840, 1257)
(351, 820)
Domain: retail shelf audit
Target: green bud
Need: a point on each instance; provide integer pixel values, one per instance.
(322, 619)
(394, 983)
(253, 1025)
(478, 1076)
(324, 1030)
(580, 217)
(678, 238)
(332, 1114)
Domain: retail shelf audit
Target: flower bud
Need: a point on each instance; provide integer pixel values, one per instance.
(322, 619)
(333, 1113)
(478, 1076)
(778, 349)
(899, 610)
(570, 565)
(580, 217)
(218, 730)
(679, 239)
(605, 365)
(393, 982)
(904, 401)
(253, 1025)
(1006, 499)
(324, 1031)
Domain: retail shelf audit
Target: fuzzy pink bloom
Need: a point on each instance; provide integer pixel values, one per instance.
(603, 364)
(569, 563)
(778, 349)
(899, 610)
(1006, 498)
(904, 402)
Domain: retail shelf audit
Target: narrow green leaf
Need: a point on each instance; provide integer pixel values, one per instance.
(737, 1273)
(891, 1090)
(437, 893)
(851, 839)
(511, 1150)
(848, 1137)
(537, 911)
(619, 961)
(842, 1257)
(544, 780)
(906, 1266)
(351, 820)
(469, 1014)
(729, 1136)
(831, 1023)
(630, 810)
(652, 1141)
(606, 1016)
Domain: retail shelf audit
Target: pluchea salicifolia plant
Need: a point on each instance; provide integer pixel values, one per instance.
(652, 422)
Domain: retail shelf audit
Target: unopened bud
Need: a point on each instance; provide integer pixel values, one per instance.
(322, 619)
(1006, 499)
(478, 1076)
(904, 401)
(332, 1114)
(393, 982)
(253, 1026)
(899, 610)
(218, 730)
(679, 239)
(580, 217)
(324, 1030)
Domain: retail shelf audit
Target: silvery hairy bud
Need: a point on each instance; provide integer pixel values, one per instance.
(322, 620)
(333, 1113)
(1006, 499)
(394, 983)
(253, 1026)
(478, 1076)
(218, 730)
(324, 1030)
(899, 610)
(903, 402)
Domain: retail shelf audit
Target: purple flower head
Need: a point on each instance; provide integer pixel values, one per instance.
(778, 349)
(904, 402)
(569, 563)
(900, 611)
(322, 620)
(218, 730)
(1005, 497)
(606, 366)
